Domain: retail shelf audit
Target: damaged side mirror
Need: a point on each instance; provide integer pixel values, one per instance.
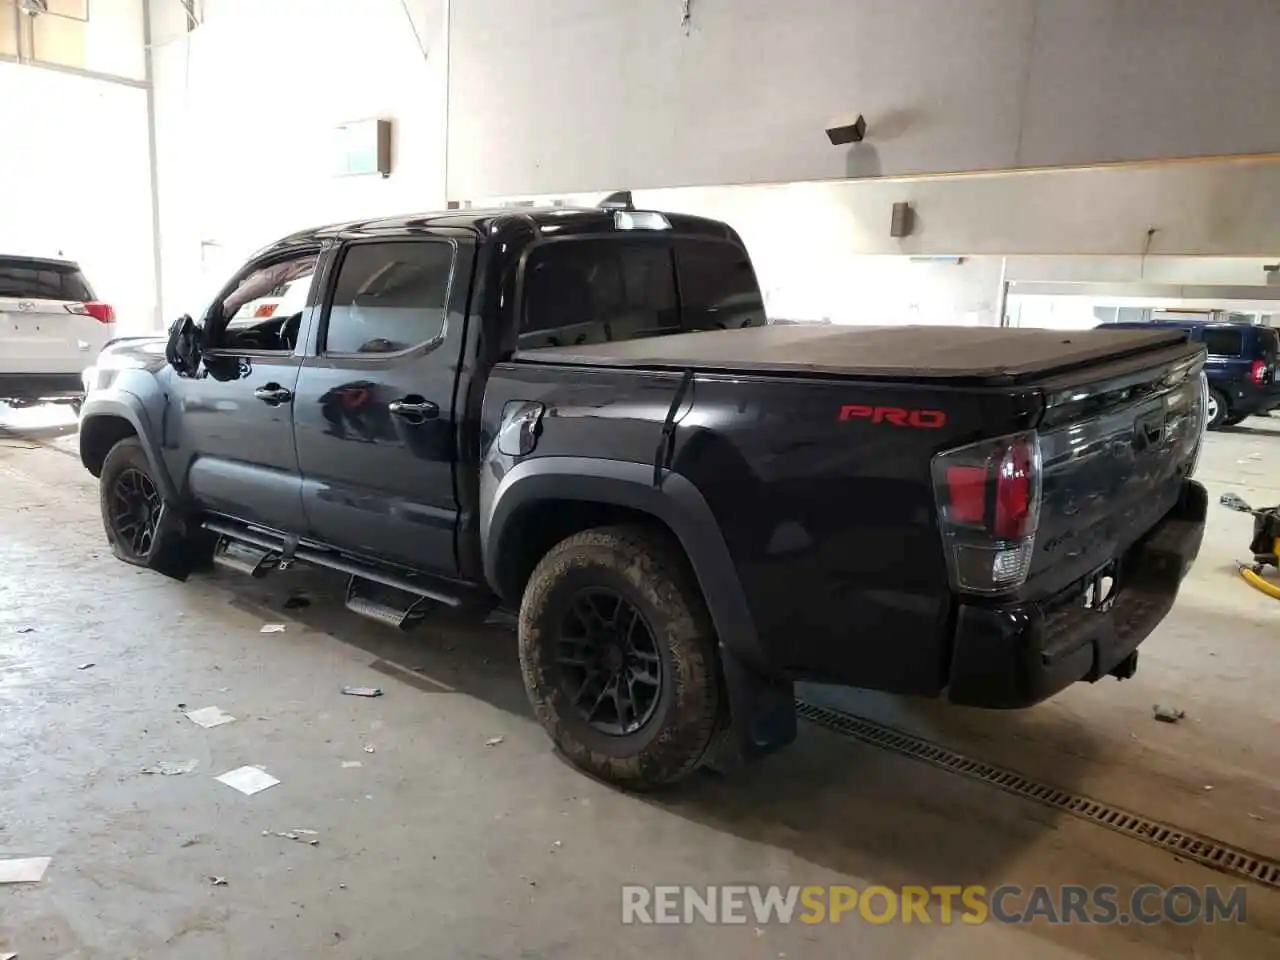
(184, 348)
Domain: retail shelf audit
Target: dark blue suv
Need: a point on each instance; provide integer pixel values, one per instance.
(1241, 367)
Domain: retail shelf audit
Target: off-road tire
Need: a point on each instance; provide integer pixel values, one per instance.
(647, 569)
(174, 550)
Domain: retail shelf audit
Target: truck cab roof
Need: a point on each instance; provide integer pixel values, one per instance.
(560, 221)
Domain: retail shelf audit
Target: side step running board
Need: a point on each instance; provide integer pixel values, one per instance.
(396, 608)
(272, 550)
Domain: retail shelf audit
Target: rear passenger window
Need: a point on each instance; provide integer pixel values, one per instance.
(389, 296)
(28, 279)
(718, 288)
(1224, 343)
(1267, 338)
(588, 291)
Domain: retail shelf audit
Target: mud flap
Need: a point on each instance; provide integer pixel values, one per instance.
(181, 546)
(762, 713)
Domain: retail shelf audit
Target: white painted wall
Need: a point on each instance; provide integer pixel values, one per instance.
(246, 106)
(74, 178)
(113, 41)
(593, 95)
(611, 94)
(814, 244)
(1053, 313)
(1200, 208)
(808, 239)
(109, 42)
(1183, 271)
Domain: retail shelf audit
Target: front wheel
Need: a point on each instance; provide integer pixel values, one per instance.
(141, 527)
(1217, 411)
(618, 656)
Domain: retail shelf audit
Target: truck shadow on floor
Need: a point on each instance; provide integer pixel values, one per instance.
(1255, 427)
(481, 660)
(446, 652)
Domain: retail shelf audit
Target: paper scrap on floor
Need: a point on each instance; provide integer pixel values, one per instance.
(248, 780)
(210, 717)
(25, 870)
(272, 628)
(172, 768)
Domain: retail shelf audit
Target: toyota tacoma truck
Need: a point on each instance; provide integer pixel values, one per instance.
(583, 416)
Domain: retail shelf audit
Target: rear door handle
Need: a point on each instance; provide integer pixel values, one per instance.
(273, 394)
(413, 409)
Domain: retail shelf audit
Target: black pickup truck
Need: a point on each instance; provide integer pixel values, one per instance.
(582, 415)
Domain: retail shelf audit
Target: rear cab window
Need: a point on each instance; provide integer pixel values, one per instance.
(28, 278)
(604, 289)
(598, 290)
(718, 288)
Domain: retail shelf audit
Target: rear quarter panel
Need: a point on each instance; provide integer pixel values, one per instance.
(830, 516)
(827, 508)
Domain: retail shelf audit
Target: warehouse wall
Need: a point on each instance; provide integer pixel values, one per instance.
(553, 95)
(575, 97)
(74, 179)
(104, 36)
(823, 250)
(246, 106)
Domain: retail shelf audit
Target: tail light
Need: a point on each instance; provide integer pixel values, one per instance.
(265, 310)
(1195, 422)
(1258, 373)
(988, 497)
(102, 312)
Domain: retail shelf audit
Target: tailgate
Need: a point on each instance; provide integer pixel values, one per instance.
(43, 336)
(1116, 445)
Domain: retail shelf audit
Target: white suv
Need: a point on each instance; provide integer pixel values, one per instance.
(51, 328)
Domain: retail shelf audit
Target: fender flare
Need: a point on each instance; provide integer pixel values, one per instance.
(127, 407)
(677, 503)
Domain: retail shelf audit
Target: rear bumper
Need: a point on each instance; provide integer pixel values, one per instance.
(1250, 400)
(1017, 655)
(41, 386)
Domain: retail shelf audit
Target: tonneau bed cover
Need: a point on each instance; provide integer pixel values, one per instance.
(908, 352)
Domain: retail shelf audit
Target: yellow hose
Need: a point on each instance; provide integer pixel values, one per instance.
(1256, 580)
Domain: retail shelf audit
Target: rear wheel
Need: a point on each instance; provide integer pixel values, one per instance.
(141, 527)
(618, 656)
(1217, 411)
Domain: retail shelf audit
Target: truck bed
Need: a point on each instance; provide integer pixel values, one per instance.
(985, 354)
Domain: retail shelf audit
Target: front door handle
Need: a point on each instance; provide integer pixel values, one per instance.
(413, 409)
(273, 394)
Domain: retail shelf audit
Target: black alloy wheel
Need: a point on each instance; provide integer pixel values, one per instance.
(136, 507)
(610, 669)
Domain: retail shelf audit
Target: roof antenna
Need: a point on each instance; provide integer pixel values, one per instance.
(619, 200)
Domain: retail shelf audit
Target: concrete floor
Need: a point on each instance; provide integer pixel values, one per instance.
(440, 845)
